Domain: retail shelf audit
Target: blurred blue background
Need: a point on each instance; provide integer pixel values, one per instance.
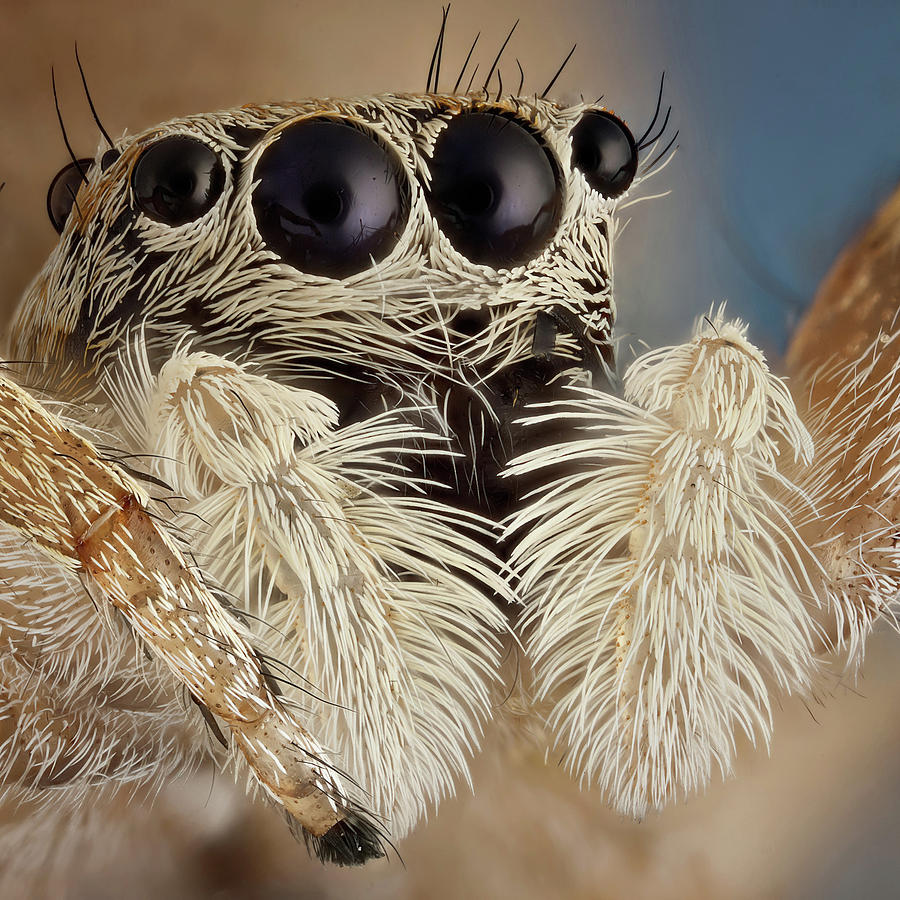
(790, 139)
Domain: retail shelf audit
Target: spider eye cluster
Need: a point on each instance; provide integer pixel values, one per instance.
(330, 197)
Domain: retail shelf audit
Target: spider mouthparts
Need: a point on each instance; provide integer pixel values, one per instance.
(547, 326)
(544, 341)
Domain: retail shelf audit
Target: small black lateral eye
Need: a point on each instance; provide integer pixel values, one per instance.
(108, 158)
(603, 148)
(494, 189)
(62, 191)
(177, 180)
(330, 199)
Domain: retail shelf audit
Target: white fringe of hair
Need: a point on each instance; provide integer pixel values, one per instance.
(377, 605)
(665, 584)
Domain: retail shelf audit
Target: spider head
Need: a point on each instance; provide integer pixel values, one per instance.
(452, 247)
(403, 235)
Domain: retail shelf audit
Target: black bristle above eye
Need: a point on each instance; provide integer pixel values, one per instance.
(354, 841)
(499, 54)
(465, 65)
(559, 72)
(434, 69)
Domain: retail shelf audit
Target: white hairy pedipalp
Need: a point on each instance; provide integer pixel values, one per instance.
(378, 603)
(667, 587)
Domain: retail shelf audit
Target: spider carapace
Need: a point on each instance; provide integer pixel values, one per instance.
(455, 250)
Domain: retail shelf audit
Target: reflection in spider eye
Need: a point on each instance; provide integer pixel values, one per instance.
(62, 191)
(494, 189)
(603, 148)
(177, 180)
(330, 199)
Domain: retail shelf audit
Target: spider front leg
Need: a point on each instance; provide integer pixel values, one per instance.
(844, 360)
(91, 519)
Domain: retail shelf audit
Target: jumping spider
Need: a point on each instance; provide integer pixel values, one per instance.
(321, 416)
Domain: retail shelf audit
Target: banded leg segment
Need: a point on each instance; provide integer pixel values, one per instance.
(57, 491)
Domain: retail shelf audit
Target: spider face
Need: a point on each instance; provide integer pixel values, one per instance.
(455, 248)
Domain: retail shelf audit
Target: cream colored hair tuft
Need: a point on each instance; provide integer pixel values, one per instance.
(378, 601)
(667, 590)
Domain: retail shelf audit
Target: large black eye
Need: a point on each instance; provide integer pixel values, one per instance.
(177, 180)
(330, 199)
(494, 189)
(605, 151)
(62, 191)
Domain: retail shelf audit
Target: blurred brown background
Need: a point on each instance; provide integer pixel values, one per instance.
(816, 818)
